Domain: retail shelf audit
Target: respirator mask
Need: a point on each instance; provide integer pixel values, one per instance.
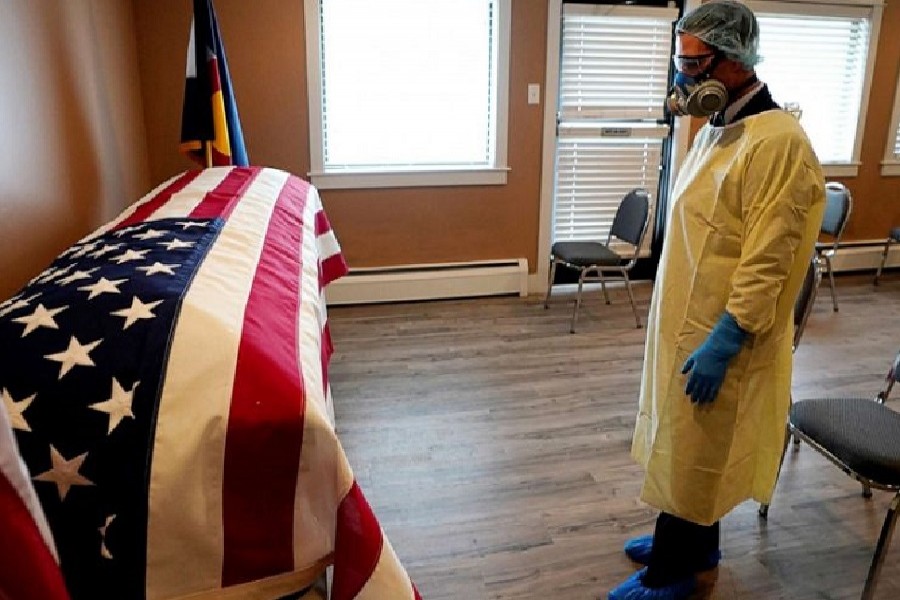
(698, 95)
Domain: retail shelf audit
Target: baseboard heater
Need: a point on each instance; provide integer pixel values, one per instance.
(430, 282)
(864, 256)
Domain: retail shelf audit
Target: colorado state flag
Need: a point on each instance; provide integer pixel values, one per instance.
(210, 112)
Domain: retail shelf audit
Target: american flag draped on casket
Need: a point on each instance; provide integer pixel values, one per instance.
(166, 379)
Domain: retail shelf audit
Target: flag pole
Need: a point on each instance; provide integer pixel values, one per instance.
(208, 146)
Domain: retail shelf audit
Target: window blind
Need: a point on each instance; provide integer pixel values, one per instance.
(897, 143)
(614, 69)
(818, 62)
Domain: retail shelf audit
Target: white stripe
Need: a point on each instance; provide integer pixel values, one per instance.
(185, 537)
(191, 63)
(328, 245)
(324, 476)
(15, 471)
(182, 203)
(389, 579)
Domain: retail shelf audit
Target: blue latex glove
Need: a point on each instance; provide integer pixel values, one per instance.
(707, 363)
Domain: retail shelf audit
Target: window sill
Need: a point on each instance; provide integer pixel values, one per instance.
(417, 178)
(841, 170)
(890, 168)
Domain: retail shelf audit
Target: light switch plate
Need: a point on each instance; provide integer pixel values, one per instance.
(534, 93)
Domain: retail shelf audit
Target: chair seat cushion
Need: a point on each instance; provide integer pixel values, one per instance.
(860, 432)
(585, 254)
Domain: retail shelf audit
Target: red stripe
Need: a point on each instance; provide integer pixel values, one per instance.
(322, 224)
(153, 204)
(265, 424)
(357, 545)
(327, 351)
(27, 569)
(212, 68)
(333, 267)
(220, 202)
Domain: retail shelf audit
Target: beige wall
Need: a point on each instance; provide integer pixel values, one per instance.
(76, 152)
(72, 121)
(265, 46)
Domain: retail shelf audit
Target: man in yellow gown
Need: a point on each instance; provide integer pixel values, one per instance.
(746, 209)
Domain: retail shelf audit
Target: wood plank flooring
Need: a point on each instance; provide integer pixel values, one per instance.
(494, 448)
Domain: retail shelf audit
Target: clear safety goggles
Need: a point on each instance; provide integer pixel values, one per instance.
(691, 63)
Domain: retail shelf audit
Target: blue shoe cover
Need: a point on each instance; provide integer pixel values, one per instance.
(633, 589)
(638, 550)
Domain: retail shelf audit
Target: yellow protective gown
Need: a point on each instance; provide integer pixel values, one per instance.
(746, 211)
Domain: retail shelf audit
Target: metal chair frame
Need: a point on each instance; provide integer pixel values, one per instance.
(825, 255)
(884, 254)
(805, 301)
(621, 270)
(890, 520)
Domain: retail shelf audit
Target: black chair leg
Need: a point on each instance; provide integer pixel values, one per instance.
(637, 318)
(834, 301)
(764, 508)
(884, 542)
(577, 302)
(550, 282)
(884, 255)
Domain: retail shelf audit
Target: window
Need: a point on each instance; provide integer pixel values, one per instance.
(820, 57)
(891, 164)
(614, 68)
(406, 92)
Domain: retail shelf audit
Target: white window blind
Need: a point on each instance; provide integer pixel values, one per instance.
(615, 62)
(407, 86)
(613, 82)
(819, 62)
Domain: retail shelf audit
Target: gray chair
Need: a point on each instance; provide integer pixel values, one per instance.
(630, 225)
(838, 206)
(862, 437)
(893, 236)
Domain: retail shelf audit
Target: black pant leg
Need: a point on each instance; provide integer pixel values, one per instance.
(678, 546)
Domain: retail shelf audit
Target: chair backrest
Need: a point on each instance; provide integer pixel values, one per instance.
(630, 222)
(838, 204)
(805, 299)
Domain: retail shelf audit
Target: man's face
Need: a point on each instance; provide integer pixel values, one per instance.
(692, 55)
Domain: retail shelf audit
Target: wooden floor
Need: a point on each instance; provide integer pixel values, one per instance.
(494, 448)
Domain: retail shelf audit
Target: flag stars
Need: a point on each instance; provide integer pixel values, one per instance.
(41, 317)
(76, 354)
(137, 310)
(158, 267)
(126, 230)
(105, 249)
(104, 550)
(64, 473)
(188, 224)
(15, 303)
(103, 286)
(130, 255)
(176, 244)
(51, 273)
(85, 249)
(119, 404)
(150, 234)
(77, 275)
(15, 409)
